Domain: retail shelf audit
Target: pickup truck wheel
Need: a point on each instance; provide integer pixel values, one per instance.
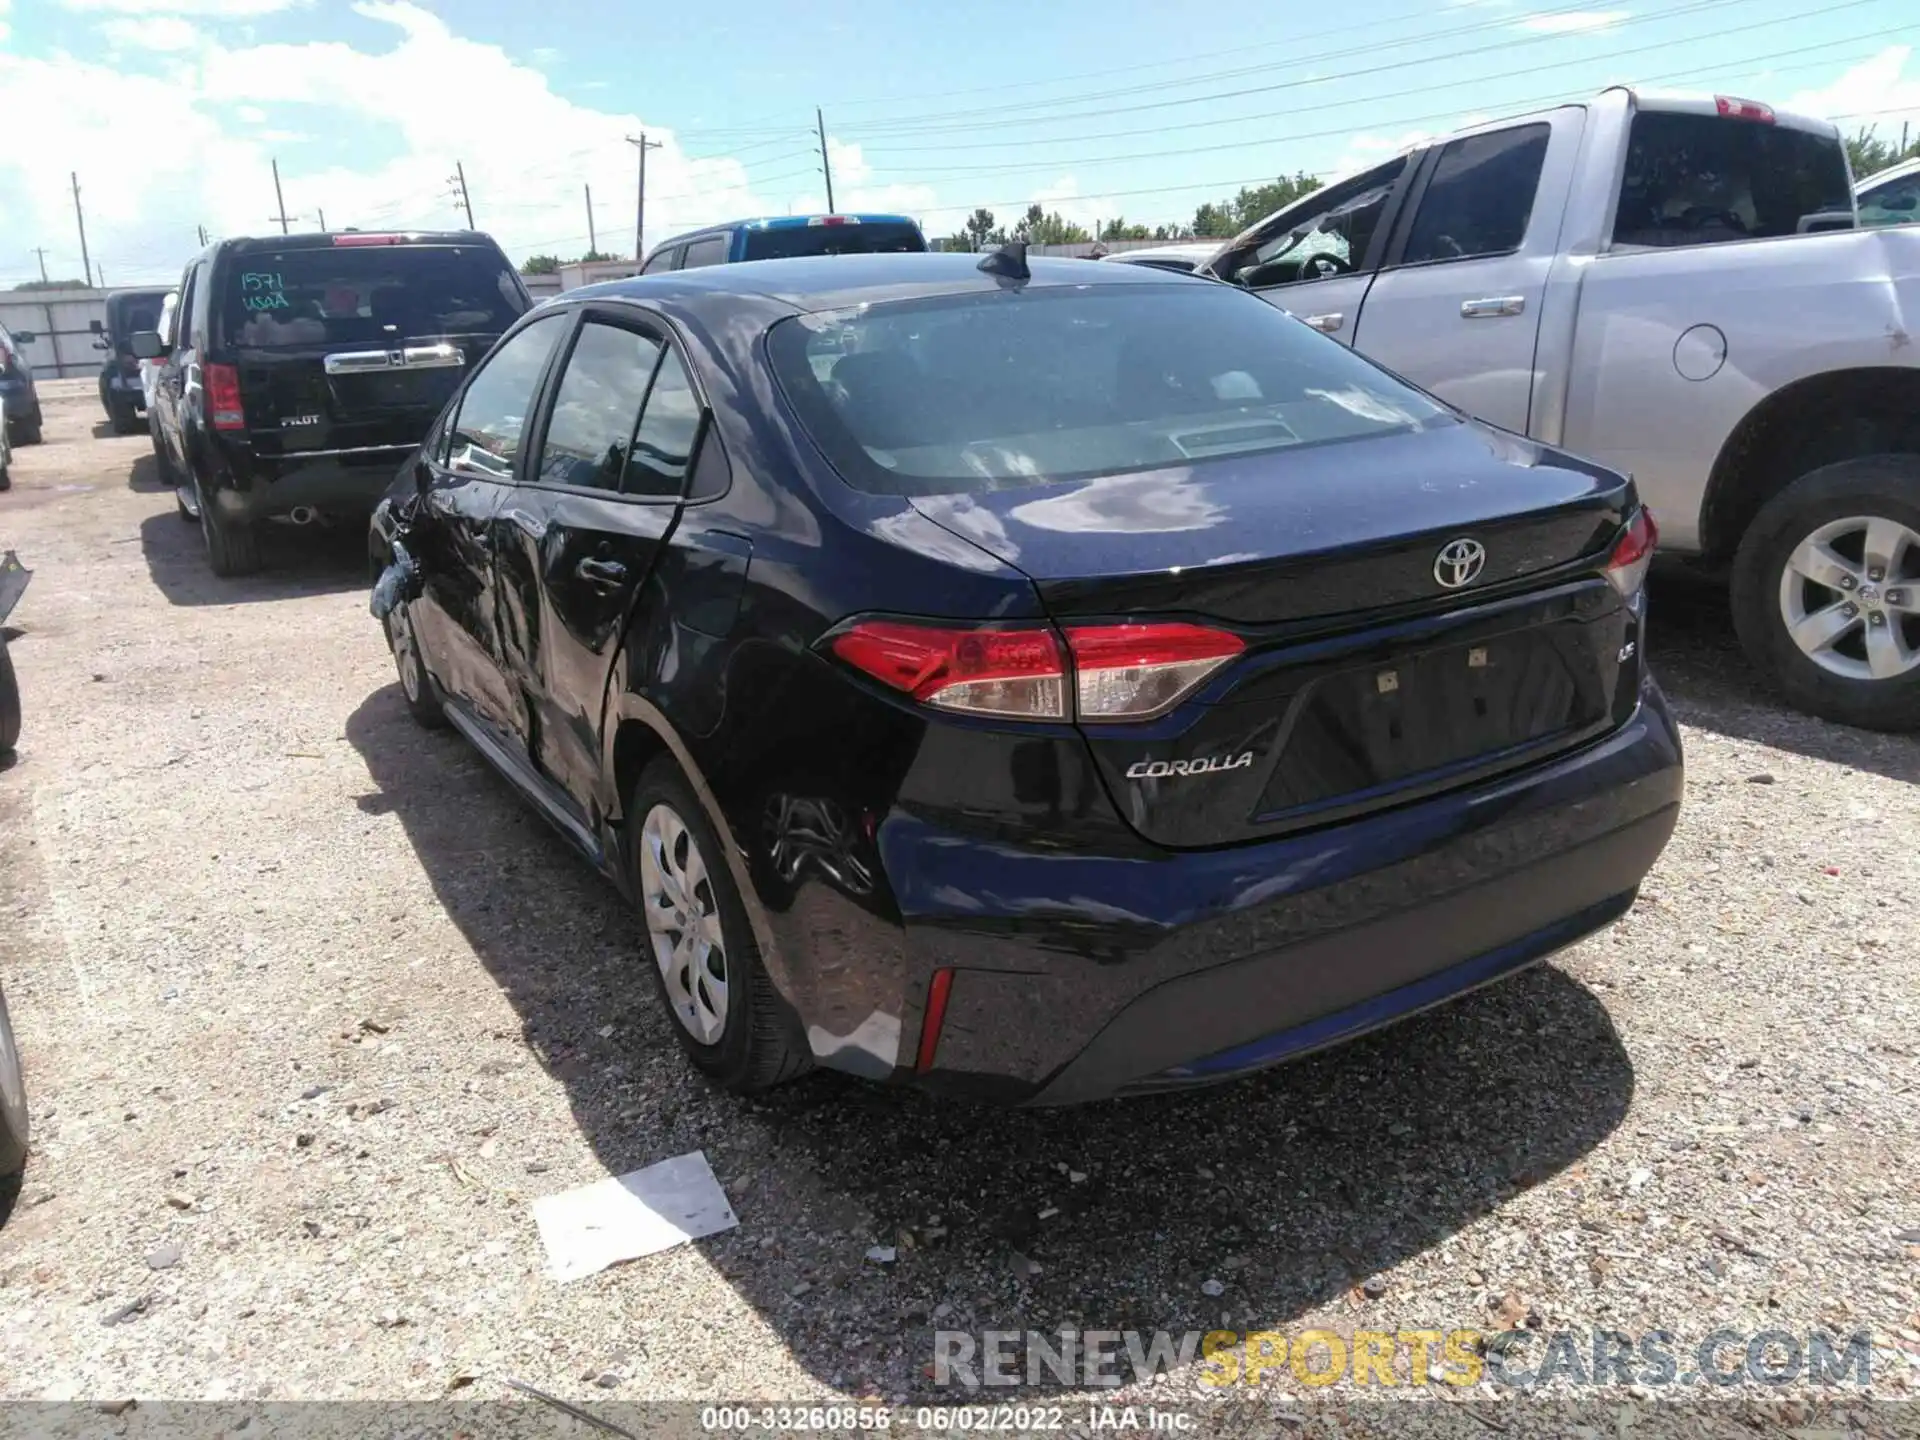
(1826, 592)
(232, 549)
(27, 432)
(13, 1100)
(126, 418)
(699, 945)
(423, 698)
(9, 702)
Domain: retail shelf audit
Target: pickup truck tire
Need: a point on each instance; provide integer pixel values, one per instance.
(232, 549)
(726, 1013)
(13, 1101)
(1850, 623)
(27, 432)
(9, 702)
(125, 417)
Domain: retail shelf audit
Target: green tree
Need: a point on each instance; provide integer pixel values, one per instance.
(52, 285)
(1214, 222)
(1867, 153)
(1254, 204)
(540, 265)
(1119, 229)
(979, 228)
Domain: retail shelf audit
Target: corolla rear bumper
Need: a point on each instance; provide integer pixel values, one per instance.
(1075, 978)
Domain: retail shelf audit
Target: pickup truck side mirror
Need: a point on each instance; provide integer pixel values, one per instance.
(147, 344)
(97, 327)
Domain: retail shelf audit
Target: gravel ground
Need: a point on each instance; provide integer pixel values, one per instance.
(312, 1008)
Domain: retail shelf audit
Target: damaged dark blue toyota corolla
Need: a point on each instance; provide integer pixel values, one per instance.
(1036, 683)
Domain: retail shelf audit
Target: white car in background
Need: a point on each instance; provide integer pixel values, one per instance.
(1185, 258)
(150, 369)
(1890, 197)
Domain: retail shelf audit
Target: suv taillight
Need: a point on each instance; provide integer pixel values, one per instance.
(1633, 552)
(1113, 672)
(222, 384)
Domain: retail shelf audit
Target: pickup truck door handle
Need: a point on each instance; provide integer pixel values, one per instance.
(1326, 324)
(601, 574)
(1492, 308)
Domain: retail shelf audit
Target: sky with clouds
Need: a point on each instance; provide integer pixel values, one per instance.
(172, 112)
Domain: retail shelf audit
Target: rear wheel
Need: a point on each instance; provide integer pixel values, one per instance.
(1826, 592)
(233, 547)
(27, 432)
(125, 416)
(9, 701)
(700, 948)
(423, 700)
(13, 1099)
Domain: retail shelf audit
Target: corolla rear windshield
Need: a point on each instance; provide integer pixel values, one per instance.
(1014, 387)
(346, 295)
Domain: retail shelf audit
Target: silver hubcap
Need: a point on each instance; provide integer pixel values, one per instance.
(683, 924)
(404, 654)
(1850, 597)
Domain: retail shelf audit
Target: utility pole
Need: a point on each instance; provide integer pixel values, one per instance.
(279, 199)
(459, 181)
(80, 219)
(593, 239)
(322, 214)
(640, 206)
(203, 233)
(826, 165)
(41, 251)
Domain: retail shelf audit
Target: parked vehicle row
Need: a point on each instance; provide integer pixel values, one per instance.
(123, 394)
(19, 398)
(1616, 277)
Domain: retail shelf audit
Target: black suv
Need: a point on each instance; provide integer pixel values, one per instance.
(305, 368)
(121, 395)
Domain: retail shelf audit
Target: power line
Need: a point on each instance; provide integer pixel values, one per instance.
(871, 153)
(1113, 159)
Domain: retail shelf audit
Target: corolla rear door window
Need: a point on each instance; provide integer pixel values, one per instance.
(979, 391)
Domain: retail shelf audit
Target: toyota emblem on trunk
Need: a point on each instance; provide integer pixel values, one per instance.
(1459, 563)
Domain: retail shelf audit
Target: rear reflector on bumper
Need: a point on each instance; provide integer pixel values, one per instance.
(936, 1016)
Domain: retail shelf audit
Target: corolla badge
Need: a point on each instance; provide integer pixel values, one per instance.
(1164, 769)
(1459, 563)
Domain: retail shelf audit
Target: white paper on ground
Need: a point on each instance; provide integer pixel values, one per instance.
(622, 1218)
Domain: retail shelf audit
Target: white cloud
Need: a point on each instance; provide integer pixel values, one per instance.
(1879, 92)
(155, 32)
(221, 9)
(1572, 22)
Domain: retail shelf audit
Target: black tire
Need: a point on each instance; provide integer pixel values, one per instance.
(13, 1100)
(6, 477)
(233, 548)
(9, 701)
(416, 684)
(1879, 486)
(126, 419)
(27, 432)
(760, 1045)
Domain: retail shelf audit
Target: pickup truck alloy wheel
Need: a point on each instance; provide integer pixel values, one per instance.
(1826, 592)
(13, 1099)
(1853, 616)
(683, 924)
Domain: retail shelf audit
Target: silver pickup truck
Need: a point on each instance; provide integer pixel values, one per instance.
(1674, 287)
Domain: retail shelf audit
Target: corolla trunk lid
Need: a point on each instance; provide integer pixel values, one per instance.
(1414, 611)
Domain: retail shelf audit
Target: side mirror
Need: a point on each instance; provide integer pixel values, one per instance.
(147, 344)
(97, 327)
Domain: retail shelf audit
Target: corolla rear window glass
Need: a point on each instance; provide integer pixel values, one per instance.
(493, 412)
(981, 391)
(595, 407)
(1705, 180)
(667, 429)
(868, 237)
(367, 295)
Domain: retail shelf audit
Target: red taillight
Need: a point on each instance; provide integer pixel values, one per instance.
(1633, 552)
(360, 238)
(935, 1017)
(1018, 673)
(1134, 672)
(1118, 672)
(1733, 109)
(222, 384)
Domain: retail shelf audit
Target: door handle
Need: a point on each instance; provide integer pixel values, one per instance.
(1326, 324)
(601, 574)
(1492, 308)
